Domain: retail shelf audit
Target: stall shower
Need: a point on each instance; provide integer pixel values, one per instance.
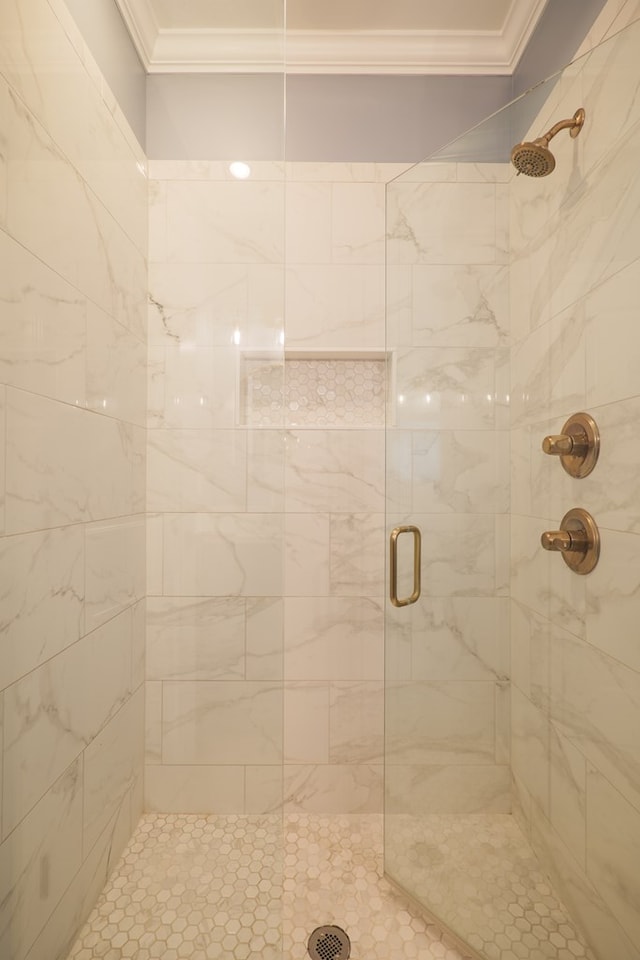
(219, 398)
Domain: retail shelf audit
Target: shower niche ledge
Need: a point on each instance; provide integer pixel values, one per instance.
(339, 389)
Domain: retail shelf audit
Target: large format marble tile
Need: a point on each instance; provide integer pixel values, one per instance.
(440, 722)
(595, 702)
(198, 789)
(38, 861)
(306, 722)
(116, 362)
(308, 202)
(613, 848)
(460, 555)
(357, 223)
(213, 722)
(333, 638)
(454, 388)
(613, 598)
(356, 721)
(530, 747)
(567, 794)
(235, 222)
(64, 464)
(195, 639)
(306, 554)
(264, 638)
(43, 336)
(335, 306)
(333, 788)
(196, 471)
(419, 789)
(41, 602)
(114, 568)
(56, 710)
(338, 471)
(219, 555)
(192, 388)
(357, 557)
(463, 471)
(460, 305)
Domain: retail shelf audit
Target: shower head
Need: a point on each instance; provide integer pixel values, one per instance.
(534, 158)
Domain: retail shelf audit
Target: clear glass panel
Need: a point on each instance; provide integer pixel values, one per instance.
(494, 337)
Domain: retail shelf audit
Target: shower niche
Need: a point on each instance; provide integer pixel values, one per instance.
(335, 389)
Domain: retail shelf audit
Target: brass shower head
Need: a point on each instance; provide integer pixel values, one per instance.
(534, 158)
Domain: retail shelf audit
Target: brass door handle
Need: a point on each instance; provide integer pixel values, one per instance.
(393, 565)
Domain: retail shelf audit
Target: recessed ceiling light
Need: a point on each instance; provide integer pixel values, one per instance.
(239, 170)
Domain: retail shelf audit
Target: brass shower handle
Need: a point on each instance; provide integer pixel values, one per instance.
(578, 540)
(578, 446)
(393, 565)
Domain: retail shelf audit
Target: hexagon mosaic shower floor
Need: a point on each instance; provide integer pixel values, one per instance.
(225, 888)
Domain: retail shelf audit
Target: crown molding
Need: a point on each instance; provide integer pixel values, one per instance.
(330, 51)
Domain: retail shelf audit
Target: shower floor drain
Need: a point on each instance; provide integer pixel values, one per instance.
(329, 943)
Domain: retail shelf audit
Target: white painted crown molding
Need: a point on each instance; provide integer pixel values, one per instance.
(329, 51)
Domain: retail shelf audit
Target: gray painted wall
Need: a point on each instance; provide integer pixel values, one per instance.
(108, 39)
(349, 118)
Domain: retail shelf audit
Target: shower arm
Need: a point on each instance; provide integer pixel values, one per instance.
(574, 125)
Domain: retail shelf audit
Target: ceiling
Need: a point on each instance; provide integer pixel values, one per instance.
(331, 36)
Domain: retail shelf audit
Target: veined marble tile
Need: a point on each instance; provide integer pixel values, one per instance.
(357, 222)
(464, 471)
(356, 721)
(64, 464)
(116, 363)
(448, 789)
(193, 388)
(567, 794)
(440, 723)
(55, 711)
(613, 848)
(338, 471)
(459, 638)
(263, 787)
(337, 307)
(113, 763)
(333, 788)
(612, 338)
(530, 654)
(357, 557)
(196, 470)
(208, 555)
(38, 861)
(459, 555)
(194, 789)
(154, 553)
(234, 222)
(306, 554)
(308, 202)
(530, 564)
(399, 305)
(613, 598)
(45, 194)
(139, 626)
(153, 722)
(603, 931)
(3, 445)
(446, 388)
(227, 722)
(264, 638)
(596, 704)
(530, 747)
(195, 639)
(41, 601)
(4, 112)
(333, 638)
(306, 722)
(530, 378)
(82, 893)
(114, 568)
(43, 337)
(205, 304)
(441, 222)
(265, 470)
(460, 306)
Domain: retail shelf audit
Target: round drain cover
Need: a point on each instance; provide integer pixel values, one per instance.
(329, 943)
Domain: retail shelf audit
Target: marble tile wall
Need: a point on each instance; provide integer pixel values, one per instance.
(265, 581)
(447, 657)
(575, 256)
(73, 240)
